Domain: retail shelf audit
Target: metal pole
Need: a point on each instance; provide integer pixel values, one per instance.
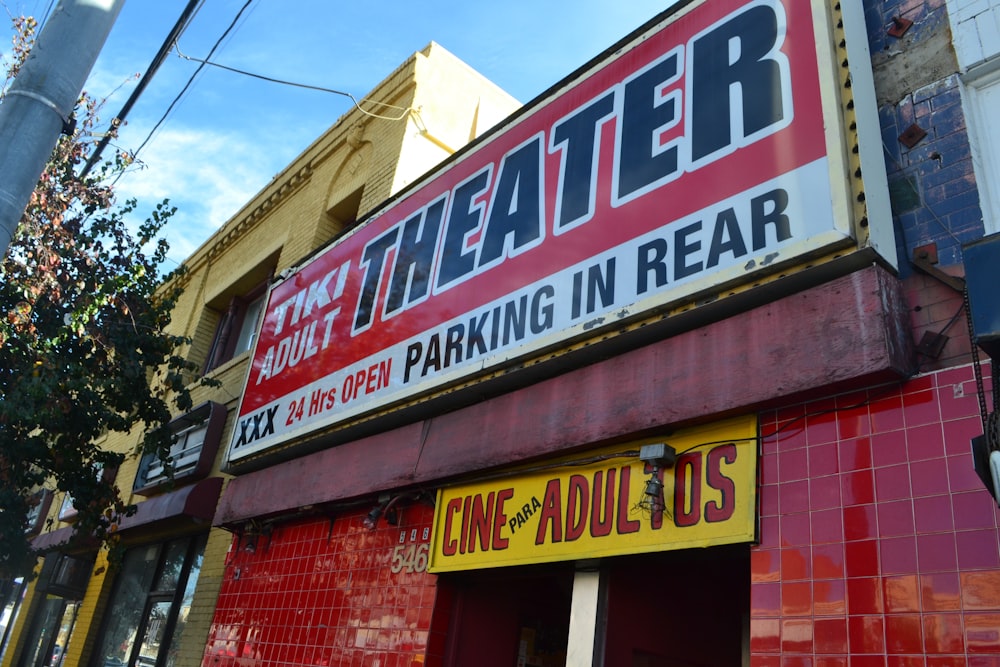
(42, 97)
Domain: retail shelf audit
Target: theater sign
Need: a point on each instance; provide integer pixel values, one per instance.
(706, 151)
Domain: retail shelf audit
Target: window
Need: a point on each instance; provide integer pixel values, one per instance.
(11, 596)
(983, 95)
(237, 328)
(151, 602)
(197, 440)
(40, 503)
(67, 511)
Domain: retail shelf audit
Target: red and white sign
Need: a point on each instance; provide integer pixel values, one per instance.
(694, 156)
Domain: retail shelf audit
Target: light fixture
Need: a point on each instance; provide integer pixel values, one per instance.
(657, 456)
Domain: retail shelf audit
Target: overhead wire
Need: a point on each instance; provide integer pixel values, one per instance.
(190, 80)
(161, 55)
(357, 104)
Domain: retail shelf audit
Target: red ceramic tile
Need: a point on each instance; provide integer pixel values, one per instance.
(824, 492)
(793, 465)
(981, 590)
(901, 593)
(855, 454)
(958, 400)
(852, 415)
(920, 407)
(895, 518)
(831, 661)
(828, 561)
(765, 635)
(830, 597)
(793, 497)
(768, 469)
(925, 442)
(824, 460)
(860, 522)
(982, 633)
(791, 438)
(974, 510)
(899, 555)
(796, 598)
(797, 661)
(765, 599)
(903, 633)
(796, 563)
(858, 488)
(764, 565)
(769, 500)
(936, 552)
(888, 448)
(962, 476)
(866, 634)
(887, 414)
(949, 661)
(758, 660)
(941, 591)
(867, 661)
(904, 661)
(821, 427)
(977, 550)
(861, 558)
(958, 434)
(929, 478)
(769, 532)
(864, 596)
(827, 526)
(892, 483)
(830, 635)
(943, 633)
(795, 530)
(797, 635)
(932, 514)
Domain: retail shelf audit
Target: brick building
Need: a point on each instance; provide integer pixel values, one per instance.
(671, 367)
(158, 607)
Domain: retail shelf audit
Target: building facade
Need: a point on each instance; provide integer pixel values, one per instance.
(155, 603)
(672, 367)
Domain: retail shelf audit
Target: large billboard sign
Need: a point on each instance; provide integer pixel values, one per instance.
(597, 504)
(692, 157)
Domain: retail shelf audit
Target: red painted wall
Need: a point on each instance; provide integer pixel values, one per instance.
(878, 540)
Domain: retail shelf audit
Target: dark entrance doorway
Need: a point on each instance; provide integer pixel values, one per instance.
(678, 609)
(511, 617)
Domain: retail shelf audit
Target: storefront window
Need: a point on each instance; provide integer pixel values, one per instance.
(50, 632)
(11, 595)
(150, 604)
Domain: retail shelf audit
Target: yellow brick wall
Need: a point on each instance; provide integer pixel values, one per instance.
(440, 104)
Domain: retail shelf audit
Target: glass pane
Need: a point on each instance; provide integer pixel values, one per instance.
(45, 625)
(65, 632)
(156, 624)
(8, 615)
(173, 563)
(127, 603)
(185, 606)
(248, 328)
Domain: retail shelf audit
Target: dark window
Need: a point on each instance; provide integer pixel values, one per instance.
(237, 328)
(197, 436)
(151, 602)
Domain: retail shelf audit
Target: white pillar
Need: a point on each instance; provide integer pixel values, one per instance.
(583, 618)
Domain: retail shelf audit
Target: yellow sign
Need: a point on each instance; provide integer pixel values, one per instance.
(600, 503)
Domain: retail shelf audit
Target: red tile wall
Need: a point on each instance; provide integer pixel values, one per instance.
(323, 592)
(879, 544)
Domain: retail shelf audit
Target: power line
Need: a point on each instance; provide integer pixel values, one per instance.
(191, 80)
(357, 103)
(189, 11)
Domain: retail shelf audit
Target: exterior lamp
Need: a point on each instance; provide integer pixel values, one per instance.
(657, 457)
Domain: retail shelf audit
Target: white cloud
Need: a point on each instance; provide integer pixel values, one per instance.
(207, 175)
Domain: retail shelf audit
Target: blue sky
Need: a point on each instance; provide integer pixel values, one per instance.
(230, 134)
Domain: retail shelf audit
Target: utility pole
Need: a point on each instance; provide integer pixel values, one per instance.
(39, 104)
